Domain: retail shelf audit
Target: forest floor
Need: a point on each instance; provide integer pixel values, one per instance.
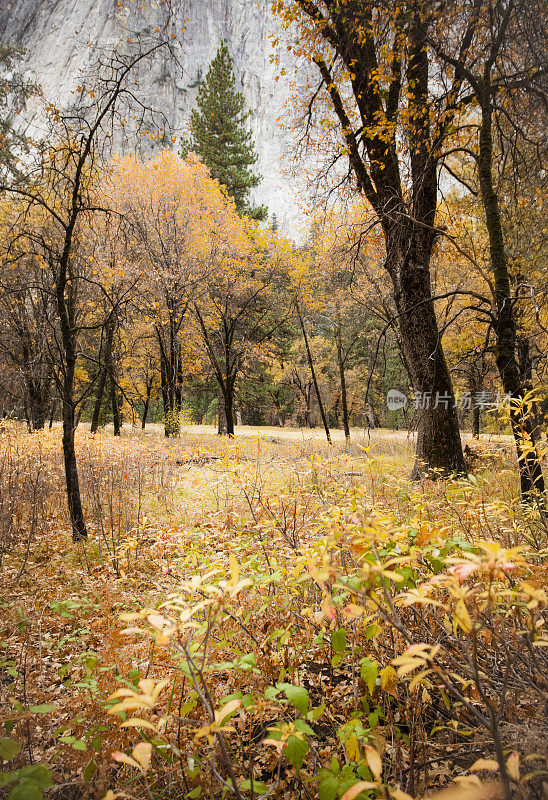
(232, 557)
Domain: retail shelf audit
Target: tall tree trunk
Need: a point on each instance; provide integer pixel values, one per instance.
(115, 408)
(438, 448)
(309, 420)
(116, 422)
(36, 386)
(340, 360)
(226, 373)
(146, 404)
(222, 426)
(229, 406)
(408, 223)
(52, 412)
(38, 403)
(170, 375)
(226, 407)
(476, 412)
(474, 385)
(102, 378)
(96, 417)
(530, 471)
(313, 373)
(79, 530)
(66, 315)
(165, 394)
(526, 375)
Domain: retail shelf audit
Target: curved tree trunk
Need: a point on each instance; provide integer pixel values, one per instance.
(523, 426)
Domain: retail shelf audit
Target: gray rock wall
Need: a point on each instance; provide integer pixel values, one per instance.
(61, 37)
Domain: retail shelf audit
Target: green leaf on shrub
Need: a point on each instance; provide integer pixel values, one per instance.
(90, 770)
(297, 696)
(43, 708)
(327, 788)
(258, 786)
(372, 630)
(248, 661)
(295, 751)
(29, 782)
(303, 727)
(79, 744)
(369, 672)
(338, 640)
(9, 749)
(26, 790)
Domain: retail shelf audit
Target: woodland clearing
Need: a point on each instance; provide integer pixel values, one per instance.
(248, 572)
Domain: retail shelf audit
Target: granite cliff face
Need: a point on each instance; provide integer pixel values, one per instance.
(60, 38)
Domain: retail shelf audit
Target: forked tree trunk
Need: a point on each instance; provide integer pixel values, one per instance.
(408, 222)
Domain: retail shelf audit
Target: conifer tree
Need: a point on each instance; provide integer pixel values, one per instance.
(219, 137)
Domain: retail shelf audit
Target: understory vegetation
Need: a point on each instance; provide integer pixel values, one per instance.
(269, 616)
(273, 515)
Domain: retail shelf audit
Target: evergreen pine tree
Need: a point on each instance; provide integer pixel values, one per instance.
(219, 137)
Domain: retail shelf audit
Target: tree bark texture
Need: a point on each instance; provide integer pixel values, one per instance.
(407, 218)
(523, 426)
